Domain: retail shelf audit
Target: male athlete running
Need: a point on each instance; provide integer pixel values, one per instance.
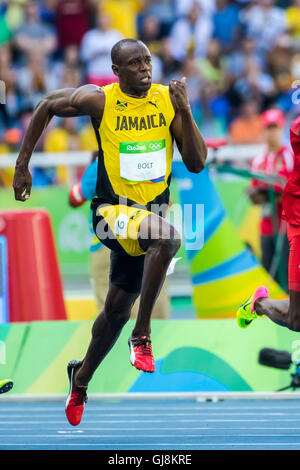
(284, 312)
(135, 123)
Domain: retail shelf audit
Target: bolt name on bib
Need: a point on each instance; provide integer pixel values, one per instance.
(143, 161)
(139, 123)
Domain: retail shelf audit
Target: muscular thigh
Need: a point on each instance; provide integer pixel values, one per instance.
(153, 228)
(126, 272)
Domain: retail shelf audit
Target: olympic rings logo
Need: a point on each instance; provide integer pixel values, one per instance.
(157, 146)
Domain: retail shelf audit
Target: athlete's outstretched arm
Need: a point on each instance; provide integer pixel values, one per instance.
(188, 138)
(68, 102)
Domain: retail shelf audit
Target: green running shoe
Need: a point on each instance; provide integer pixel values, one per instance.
(246, 313)
(6, 385)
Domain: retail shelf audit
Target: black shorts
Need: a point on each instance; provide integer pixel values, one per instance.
(127, 257)
(126, 271)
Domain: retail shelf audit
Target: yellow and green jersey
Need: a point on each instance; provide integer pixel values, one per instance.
(136, 146)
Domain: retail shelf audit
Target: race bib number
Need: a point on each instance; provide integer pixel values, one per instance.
(121, 224)
(143, 161)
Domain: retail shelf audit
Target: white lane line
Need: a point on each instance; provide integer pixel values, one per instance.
(43, 423)
(162, 444)
(235, 420)
(209, 407)
(187, 428)
(141, 414)
(72, 435)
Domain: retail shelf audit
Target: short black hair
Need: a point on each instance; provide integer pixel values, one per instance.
(115, 52)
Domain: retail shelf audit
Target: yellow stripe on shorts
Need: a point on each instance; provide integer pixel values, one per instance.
(124, 221)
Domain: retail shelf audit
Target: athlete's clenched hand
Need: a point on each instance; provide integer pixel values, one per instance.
(22, 183)
(179, 93)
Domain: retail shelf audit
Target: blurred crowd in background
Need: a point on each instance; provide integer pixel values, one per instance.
(240, 58)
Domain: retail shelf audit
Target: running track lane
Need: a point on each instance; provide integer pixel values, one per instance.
(153, 425)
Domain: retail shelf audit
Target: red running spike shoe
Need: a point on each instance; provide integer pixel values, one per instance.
(76, 399)
(141, 353)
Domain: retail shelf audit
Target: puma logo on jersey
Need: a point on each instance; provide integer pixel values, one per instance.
(139, 123)
(153, 103)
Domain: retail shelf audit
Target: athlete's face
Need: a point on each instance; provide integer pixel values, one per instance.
(134, 69)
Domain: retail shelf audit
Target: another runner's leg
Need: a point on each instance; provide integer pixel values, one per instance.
(283, 312)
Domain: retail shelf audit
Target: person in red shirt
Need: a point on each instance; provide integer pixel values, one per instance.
(283, 312)
(276, 160)
(72, 21)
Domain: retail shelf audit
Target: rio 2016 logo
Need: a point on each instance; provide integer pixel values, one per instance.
(2, 92)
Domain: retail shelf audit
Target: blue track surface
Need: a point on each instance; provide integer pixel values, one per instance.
(158, 425)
